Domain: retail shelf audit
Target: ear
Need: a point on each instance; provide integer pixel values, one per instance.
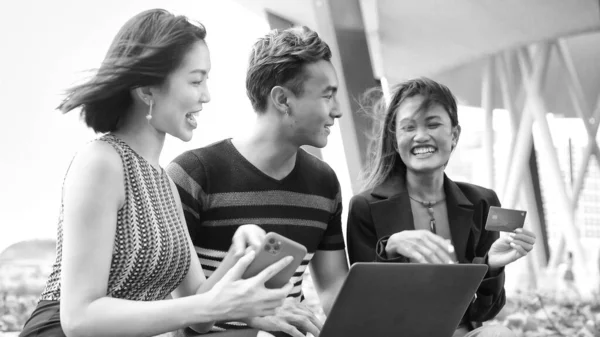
(144, 94)
(455, 135)
(279, 97)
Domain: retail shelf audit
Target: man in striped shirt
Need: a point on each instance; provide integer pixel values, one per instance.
(266, 179)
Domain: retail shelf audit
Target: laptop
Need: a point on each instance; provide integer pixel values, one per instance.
(403, 299)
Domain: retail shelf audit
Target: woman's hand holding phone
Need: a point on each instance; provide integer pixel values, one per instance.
(235, 298)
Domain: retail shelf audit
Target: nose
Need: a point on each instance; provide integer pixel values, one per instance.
(205, 96)
(336, 112)
(421, 134)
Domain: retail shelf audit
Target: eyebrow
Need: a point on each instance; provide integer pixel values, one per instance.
(200, 71)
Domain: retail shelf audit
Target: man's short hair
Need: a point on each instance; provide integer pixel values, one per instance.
(279, 59)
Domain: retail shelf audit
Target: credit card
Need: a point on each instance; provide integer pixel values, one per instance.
(504, 219)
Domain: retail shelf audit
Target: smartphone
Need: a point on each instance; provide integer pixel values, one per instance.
(274, 248)
(504, 219)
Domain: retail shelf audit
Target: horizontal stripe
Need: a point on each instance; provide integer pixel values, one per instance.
(283, 212)
(271, 198)
(210, 263)
(265, 221)
(183, 180)
(210, 252)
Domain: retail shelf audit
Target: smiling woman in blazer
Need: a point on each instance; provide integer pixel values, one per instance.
(410, 211)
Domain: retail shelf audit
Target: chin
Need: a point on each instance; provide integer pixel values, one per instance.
(426, 169)
(319, 143)
(185, 136)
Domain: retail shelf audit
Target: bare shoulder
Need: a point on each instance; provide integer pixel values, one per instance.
(97, 167)
(99, 158)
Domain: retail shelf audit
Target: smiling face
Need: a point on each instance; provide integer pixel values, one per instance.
(313, 112)
(179, 99)
(425, 138)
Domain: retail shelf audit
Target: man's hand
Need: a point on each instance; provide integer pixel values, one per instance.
(293, 318)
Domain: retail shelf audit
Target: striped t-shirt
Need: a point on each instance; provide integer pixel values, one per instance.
(221, 190)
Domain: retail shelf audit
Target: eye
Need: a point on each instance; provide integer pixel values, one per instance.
(434, 125)
(408, 128)
(328, 96)
(197, 83)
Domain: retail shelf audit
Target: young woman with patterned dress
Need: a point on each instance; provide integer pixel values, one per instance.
(122, 245)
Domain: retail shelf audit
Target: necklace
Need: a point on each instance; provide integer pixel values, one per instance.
(429, 206)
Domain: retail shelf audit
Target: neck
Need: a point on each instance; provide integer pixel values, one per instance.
(142, 137)
(428, 187)
(267, 147)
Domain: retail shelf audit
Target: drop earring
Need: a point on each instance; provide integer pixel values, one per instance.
(149, 115)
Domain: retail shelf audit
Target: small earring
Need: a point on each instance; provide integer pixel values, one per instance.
(149, 115)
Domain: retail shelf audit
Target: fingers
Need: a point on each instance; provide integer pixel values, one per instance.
(432, 248)
(315, 320)
(238, 245)
(273, 269)
(524, 235)
(416, 257)
(429, 254)
(255, 236)
(290, 330)
(247, 235)
(519, 249)
(445, 245)
(235, 273)
(307, 325)
(526, 246)
(441, 248)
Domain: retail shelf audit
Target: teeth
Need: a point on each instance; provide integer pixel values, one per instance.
(423, 150)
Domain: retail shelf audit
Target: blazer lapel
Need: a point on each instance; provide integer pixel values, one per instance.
(393, 213)
(460, 218)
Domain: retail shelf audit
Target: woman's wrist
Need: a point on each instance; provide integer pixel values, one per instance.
(205, 309)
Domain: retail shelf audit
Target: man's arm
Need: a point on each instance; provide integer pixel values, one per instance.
(328, 269)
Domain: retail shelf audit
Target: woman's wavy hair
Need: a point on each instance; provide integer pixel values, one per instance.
(148, 48)
(279, 59)
(383, 159)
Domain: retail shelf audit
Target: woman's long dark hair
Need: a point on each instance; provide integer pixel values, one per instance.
(383, 150)
(144, 52)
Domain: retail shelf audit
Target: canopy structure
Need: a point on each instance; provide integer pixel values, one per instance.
(529, 57)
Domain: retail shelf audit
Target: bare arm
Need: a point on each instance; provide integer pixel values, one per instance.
(93, 193)
(328, 270)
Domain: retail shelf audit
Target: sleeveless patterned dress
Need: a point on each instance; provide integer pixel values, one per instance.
(151, 254)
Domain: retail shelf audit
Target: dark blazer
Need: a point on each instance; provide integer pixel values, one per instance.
(376, 214)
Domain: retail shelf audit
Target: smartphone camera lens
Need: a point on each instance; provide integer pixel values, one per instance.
(268, 248)
(277, 245)
(271, 240)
